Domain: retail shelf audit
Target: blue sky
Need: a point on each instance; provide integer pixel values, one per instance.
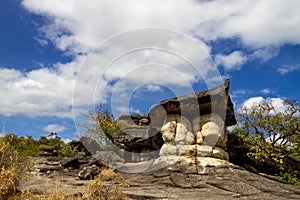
(60, 59)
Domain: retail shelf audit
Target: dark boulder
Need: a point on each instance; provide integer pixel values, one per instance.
(70, 162)
(140, 137)
(90, 144)
(215, 100)
(89, 172)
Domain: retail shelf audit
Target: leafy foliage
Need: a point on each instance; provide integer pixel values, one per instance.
(265, 136)
(103, 128)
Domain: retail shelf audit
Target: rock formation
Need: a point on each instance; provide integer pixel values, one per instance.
(187, 127)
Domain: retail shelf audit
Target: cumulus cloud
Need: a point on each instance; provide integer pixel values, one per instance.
(277, 103)
(54, 128)
(233, 61)
(77, 27)
(42, 92)
(84, 25)
(287, 69)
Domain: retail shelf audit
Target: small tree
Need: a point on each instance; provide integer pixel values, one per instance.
(280, 129)
(103, 128)
(270, 134)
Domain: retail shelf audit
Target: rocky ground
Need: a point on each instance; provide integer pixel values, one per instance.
(214, 182)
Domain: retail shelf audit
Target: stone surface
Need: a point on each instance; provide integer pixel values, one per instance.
(199, 137)
(181, 133)
(169, 131)
(216, 179)
(219, 182)
(89, 172)
(216, 100)
(139, 137)
(70, 162)
(219, 153)
(168, 150)
(190, 138)
(204, 150)
(189, 150)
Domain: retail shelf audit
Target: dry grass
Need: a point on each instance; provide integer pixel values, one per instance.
(8, 170)
(8, 182)
(98, 190)
(108, 174)
(9, 174)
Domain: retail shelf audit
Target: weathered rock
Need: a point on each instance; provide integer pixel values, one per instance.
(169, 131)
(168, 149)
(204, 150)
(89, 172)
(90, 144)
(181, 133)
(190, 138)
(138, 137)
(189, 150)
(216, 100)
(70, 162)
(145, 154)
(157, 115)
(220, 153)
(179, 119)
(199, 138)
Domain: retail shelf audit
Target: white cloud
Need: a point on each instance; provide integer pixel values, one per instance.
(264, 54)
(266, 91)
(41, 92)
(287, 69)
(54, 128)
(76, 27)
(233, 61)
(66, 140)
(277, 103)
(241, 92)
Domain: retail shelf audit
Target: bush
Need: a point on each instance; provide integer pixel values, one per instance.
(8, 169)
(264, 136)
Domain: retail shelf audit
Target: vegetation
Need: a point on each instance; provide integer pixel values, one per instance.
(29, 147)
(264, 136)
(97, 190)
(103, 128)
(9, 169)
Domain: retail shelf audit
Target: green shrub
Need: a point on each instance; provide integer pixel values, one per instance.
(264, 136)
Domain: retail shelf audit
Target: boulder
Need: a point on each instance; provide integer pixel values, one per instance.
(189, 150)
(90, 144)
(70, 162)
(181, 133)
(204, 150)
(89, 172)
(220, 153)
(215, 100)
(138, 137)
(190, 138)
(169, 131)
(168, 149)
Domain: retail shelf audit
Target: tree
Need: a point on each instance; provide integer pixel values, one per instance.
(280, 129)
(103, 127)
(267, 135)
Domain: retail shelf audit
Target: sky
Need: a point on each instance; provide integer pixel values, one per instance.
(59, 60)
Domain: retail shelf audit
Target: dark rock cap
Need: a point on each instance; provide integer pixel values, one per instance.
(216, 100)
